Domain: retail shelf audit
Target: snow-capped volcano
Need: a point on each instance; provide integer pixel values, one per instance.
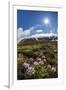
(39, 31)
(43, 35)
(38, 35)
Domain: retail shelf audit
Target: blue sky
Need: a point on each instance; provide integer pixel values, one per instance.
(32, 22)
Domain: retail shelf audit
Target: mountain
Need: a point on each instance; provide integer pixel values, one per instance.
(38, 38)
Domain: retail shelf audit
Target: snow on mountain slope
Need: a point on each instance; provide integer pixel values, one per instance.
(36, 36)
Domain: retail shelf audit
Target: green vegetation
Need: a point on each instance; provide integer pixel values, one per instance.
(37, 60)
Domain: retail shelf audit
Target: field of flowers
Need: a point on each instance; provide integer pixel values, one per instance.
(37, 61)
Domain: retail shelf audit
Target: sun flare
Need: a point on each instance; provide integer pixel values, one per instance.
(46, 21)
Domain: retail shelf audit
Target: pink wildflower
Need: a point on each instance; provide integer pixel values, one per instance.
(26, 65)
(36, 63)
(49, 66)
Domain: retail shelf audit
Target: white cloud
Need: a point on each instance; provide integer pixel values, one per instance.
(27, 32)
(23, 33)
(20, 31)
(39, 31)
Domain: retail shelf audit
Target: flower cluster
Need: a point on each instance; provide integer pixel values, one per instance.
(52, 68)
(30, 71)
(38, 65)
(26, 65)
(38, 61)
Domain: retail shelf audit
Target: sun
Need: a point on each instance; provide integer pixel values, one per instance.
(46, 21)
